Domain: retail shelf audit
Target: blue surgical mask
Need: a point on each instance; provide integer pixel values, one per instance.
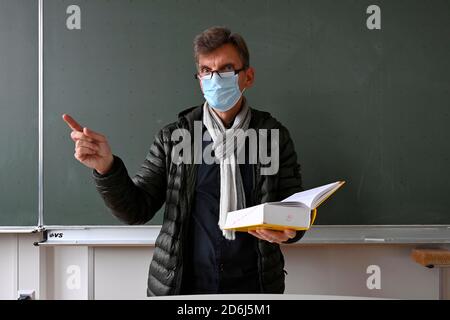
(221, 93)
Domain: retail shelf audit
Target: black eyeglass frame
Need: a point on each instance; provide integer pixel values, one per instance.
(197, 76)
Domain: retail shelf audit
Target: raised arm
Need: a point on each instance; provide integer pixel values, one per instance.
(132, 200)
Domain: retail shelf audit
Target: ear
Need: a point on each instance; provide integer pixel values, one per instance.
(249, 77)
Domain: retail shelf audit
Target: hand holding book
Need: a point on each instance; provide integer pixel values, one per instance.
(273, 235)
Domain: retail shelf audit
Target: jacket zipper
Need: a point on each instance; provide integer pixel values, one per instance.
(257, 200)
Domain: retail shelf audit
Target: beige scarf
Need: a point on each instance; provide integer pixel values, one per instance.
(232, 195)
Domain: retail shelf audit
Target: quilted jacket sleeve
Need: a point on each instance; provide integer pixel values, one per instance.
(135, 200)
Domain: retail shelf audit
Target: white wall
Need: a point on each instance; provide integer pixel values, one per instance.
(120, 272)
(22, 265)
(8, 266)
(342, 270)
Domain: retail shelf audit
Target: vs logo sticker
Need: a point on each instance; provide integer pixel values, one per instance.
(56, 235)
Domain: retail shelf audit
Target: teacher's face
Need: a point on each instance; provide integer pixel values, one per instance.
(226, 58)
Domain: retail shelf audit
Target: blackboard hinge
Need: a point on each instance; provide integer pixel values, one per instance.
(44, 235)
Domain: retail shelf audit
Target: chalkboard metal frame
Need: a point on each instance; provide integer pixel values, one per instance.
(39, 227)
(15, 229)
(146, 235)
(41, 112)
(351, 234)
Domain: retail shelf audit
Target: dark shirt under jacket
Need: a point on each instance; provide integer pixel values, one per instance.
(214, 264)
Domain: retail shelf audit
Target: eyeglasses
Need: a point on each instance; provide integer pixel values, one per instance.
(222, 74)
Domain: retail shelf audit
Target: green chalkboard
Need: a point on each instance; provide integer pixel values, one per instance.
(366, 106)
(18, 113)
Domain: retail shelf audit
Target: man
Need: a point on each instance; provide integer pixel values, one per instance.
(193, 253)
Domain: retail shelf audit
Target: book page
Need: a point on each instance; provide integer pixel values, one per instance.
(325, 194)
(308, 196)
(289, 204)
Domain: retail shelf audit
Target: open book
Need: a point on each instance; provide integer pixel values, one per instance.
(296, 212)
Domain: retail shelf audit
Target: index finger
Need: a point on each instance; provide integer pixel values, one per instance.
(72, 123)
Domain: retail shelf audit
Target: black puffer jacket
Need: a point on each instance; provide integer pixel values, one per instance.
(158, 181)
